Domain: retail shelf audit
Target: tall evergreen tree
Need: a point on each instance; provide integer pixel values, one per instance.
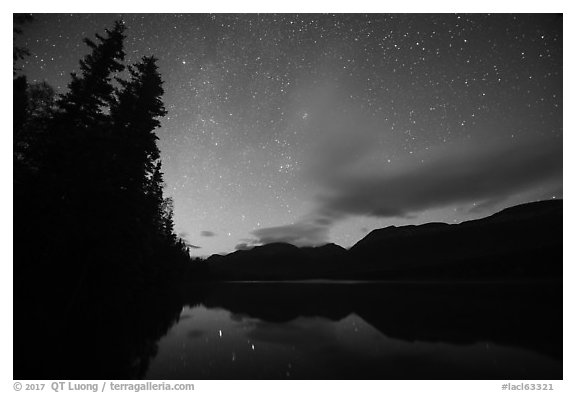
(91, 92)
(68, 192)
(20, 83)
(88, 194)
(80, 140)
(98, 187)
(19, 52)
(136, 115)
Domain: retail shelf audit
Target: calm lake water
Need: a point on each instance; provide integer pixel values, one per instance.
(365, 331)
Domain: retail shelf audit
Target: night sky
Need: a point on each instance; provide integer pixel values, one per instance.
(319, 128)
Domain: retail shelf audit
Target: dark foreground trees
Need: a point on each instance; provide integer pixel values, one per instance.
(88, 185)
(92, 227)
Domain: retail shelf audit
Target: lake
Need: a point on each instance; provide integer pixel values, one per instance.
(327, 330)
(298, 330)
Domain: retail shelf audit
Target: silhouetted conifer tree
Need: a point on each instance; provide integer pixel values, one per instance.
(20, 83)
(91, 92)
(93, 232)
(91, 172)
(136, 115)
(19, 52)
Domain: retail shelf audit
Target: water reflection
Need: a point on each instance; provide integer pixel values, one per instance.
(367, 331)
(301, 331)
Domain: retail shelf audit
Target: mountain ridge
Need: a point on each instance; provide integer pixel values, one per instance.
(508, 243)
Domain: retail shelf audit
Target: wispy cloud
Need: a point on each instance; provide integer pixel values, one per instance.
(303, 233)
(348, 160)
(486, 175)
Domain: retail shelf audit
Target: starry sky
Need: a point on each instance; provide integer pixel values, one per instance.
(314, 128)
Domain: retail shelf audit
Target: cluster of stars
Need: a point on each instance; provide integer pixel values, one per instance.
(240, 92)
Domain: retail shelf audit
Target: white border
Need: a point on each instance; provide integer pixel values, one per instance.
(420, 6)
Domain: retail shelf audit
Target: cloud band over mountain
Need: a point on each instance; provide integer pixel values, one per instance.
(483, 175)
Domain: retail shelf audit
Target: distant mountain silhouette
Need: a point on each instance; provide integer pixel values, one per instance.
(523, 241)
(278, 261)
